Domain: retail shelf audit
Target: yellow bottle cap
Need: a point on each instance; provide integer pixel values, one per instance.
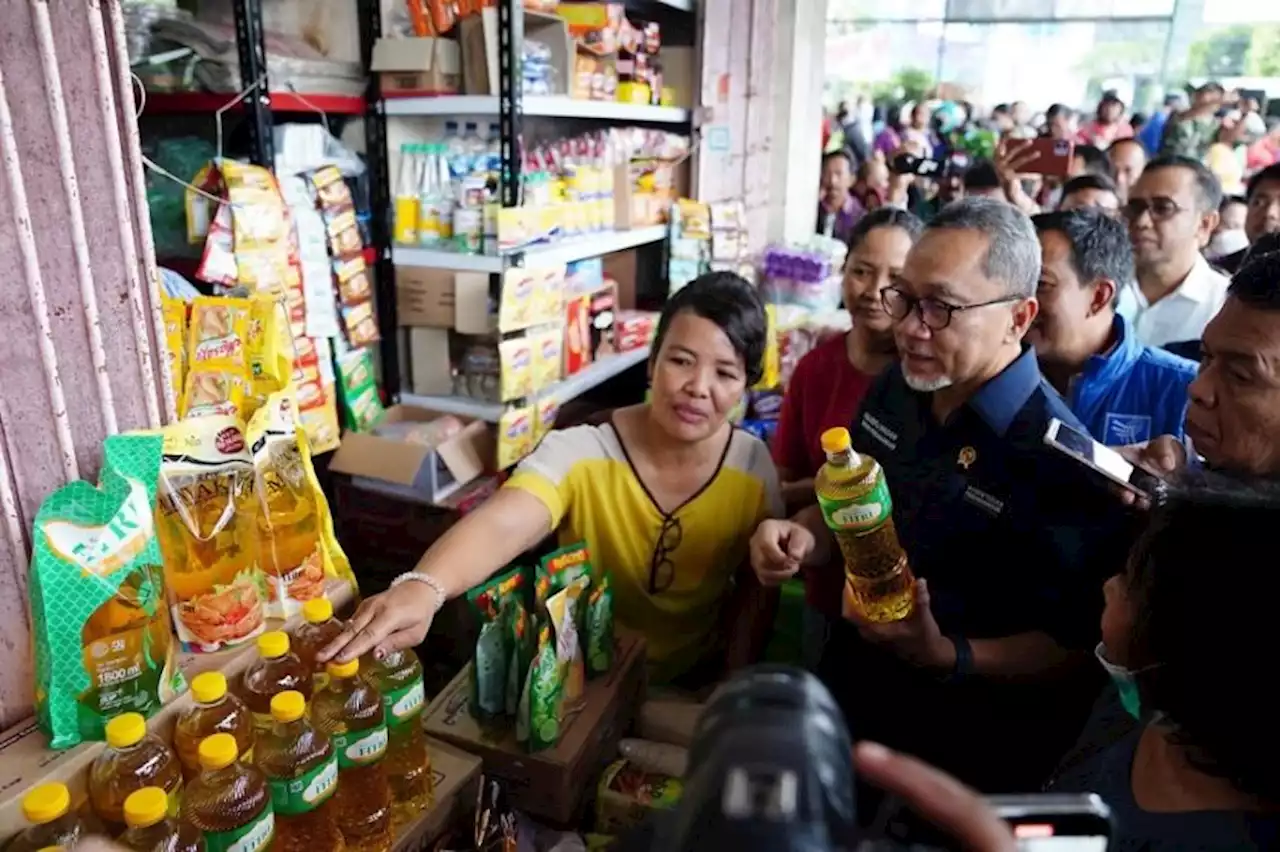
(218, 751)
(836, 440)
(145, 807)
(126, 730)
(317, 610)
(46, 803)
(347, 669)
(209, 687)
(274, 643)
(288, 706)
(52, 849)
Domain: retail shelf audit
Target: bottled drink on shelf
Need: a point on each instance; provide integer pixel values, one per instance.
(349, 710)
(132, 760)
(152, 829)
(318, 628)
(276, 670)
(398, 679)
(446, 194)
(50, 820)
(228, 802)
(302, 775)
(213, 710)
(406, 197)
(855, 503)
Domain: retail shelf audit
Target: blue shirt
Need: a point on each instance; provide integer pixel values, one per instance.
(1132, 393)
(1152, 133)
(1012, 537)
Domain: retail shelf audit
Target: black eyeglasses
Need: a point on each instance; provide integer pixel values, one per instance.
(662, 570)
(1160, 208)
(934, 313)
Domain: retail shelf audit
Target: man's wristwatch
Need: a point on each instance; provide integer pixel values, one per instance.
(427, 580)
(964, 659)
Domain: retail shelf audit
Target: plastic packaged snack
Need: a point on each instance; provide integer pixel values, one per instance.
(297, 548)
(205, 523)
(564, 609)
(361, 404)
(217, 379)
(547, 349)
(600, 626)
(175, 342)
(538, 725)
(344, 234)
(515, 434)
(331, 190)
(267, 347)
(361, 324)
(517, 303)
(495, 602)
(521, 645)
(352, 276)
(100, 626)
(516, 356)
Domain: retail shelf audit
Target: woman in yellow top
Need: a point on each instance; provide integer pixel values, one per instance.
(666, 496)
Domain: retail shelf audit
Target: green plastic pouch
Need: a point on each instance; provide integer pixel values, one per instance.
(600, 626)
(494, 602)
(557, 570)
(361, 405)
(540, 703)
(563, 608)
(102, 637)
(522, 642)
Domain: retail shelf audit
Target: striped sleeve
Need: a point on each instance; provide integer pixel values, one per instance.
(547, 473)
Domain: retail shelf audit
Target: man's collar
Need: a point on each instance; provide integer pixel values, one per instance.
(1123, 350)
(1000, 399)
(1197, 285)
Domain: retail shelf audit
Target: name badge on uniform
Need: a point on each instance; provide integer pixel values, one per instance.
(993, 506)
(882, 433)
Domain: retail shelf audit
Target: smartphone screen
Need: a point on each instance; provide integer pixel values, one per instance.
(1044, 837)
(1101, 458)
(1056, 823)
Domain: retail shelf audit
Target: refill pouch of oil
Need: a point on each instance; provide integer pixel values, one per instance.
(101, 628)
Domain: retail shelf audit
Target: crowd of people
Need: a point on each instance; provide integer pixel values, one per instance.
(1067, 634)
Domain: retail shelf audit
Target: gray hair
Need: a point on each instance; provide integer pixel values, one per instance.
(1013, 250)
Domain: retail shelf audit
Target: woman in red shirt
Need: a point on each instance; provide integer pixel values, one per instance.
(829, 383)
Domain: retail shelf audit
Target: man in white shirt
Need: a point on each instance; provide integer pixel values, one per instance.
(1172, 212)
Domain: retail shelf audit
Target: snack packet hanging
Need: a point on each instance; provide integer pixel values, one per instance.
(538, 724)
(205, 524)
(361, 405)
(494, 602)
(99, 621)
(297, 548)
(265, 351)
(556, 572)
(174, 312)
(600, 626)
(217, 357)
(564, 608)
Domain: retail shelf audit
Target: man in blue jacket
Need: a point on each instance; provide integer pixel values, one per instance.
(1122, 391)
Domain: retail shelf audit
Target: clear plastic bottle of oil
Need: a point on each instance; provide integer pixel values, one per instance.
(151, 829)
(350, 711)
(302, 774)
(214, 711)
(318, 628)
(50, 820)
(276, 670)
(228, 802)
(132, 760)
(398, 679)
(855, 503)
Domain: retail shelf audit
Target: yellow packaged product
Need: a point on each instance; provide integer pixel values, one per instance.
(268, 361)
(517, 304)
(174, 312)
(548, 357)
(516, 359)
(205, 522)
(297, 548)
(515, 434)
(548, 408)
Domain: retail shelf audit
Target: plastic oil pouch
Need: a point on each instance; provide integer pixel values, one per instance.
(538, 722)
(494, 603)
(297, 548)
(563, 610)
(600, 626)
(174, 312)
(100, 624)
(205, 522)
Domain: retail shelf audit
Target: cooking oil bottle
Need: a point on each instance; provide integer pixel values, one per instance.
(228, 802)
(854, 499)
(133, 759)
(276, 670)
(51, 822)
(398, 679)
(317, 629)
(151, 829)
(350, 711)
(302, 773)
(214, 711)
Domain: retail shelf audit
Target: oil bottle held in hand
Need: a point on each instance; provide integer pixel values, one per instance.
(855, 503)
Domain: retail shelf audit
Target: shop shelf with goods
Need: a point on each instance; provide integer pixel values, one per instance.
(528, 76)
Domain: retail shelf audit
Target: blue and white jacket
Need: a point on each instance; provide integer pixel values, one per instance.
(1132, 392)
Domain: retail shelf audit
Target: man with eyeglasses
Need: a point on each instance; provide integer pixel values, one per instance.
(1172, 212)
(1010, 539)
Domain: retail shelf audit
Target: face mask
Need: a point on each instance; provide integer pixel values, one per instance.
(1124, 680)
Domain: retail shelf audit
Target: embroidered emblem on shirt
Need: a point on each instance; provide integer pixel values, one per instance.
(879, 431)
(1121, 429)
(993, 506)
(968, 455)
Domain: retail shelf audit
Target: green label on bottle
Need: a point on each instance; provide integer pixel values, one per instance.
(292, 796)
(862, 515)
(255, 836)
(360, 748)
(404, 705)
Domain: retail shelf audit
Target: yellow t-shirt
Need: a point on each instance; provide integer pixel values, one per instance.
(583, 477)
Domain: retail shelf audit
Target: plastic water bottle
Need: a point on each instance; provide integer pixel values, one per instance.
(456, 153)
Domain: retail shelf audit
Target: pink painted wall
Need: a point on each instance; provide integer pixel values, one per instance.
(78, 354)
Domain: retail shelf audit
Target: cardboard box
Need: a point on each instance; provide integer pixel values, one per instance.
(410, 470)
(552, 784)
(478, 37)
(455, 776)
(416, 67)
(441, 298)
(26, 759)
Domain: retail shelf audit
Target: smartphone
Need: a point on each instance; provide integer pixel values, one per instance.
(1056, 822)
(1099, 457)
(1055, 157)
(910, 164)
